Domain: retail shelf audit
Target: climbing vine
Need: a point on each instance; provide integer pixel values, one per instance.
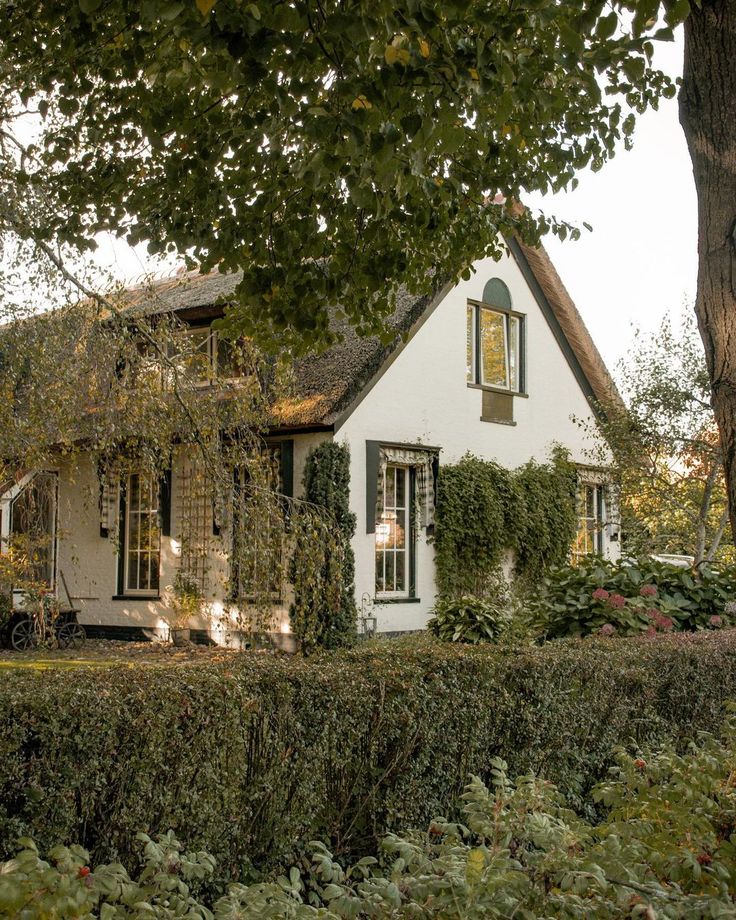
(485, 511)
(323, 566)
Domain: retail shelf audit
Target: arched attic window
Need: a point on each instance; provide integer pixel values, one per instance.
(496, 294)
(495, 346)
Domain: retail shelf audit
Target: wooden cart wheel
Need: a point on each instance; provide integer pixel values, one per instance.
(24, 634)
(71, 635)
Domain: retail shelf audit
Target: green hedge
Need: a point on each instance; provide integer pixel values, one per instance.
(247, 758)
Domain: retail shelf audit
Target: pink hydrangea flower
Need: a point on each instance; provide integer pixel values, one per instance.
(648, 591)
(652, 613)
(715, 621)
(663, 622)
(600, 594)
(608, 629)
(616, 601)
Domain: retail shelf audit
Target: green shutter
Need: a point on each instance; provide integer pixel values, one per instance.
(372, 453)
(165, 502)
(287, 467)
(496, 294)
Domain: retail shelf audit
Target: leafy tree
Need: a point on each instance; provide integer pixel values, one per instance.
(309, 143)
(668, 458)
(330, 150)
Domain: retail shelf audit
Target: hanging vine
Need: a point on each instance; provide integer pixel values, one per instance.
(323, 563)
(119, 392)
(484, 511)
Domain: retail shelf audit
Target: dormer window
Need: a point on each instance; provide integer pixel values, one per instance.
(204, 356)
(495, 341)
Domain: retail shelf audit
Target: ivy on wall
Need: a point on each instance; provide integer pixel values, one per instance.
(323, 612)
(484, 510)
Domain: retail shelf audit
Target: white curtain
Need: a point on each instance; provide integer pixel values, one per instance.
(422, 462)
(110, 500)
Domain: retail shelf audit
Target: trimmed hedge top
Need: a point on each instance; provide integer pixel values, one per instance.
(249, 758)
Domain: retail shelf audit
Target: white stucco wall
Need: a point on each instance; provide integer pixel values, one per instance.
(423, 398)
(90, 562)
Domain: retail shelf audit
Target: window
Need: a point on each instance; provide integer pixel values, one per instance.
(141, 550)
(394, 534)
(494, 348)
(205, 356)
(28, 525)
(591, 520)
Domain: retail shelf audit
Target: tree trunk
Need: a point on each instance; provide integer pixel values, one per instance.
(708, 117)
(704, 512)
(718, 536)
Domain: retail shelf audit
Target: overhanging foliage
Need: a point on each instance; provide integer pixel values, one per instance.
(307, 144)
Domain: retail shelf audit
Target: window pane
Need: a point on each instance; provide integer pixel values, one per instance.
(589, 502)
(401, 488)
(401, 571)
(133, 493)
(392, 533)
(390, 572)
(470, 345)
(591, 520)
(192, 353)
(389, 498)
(142, 533)
(380, 584)
(493, 348)
(229, 358)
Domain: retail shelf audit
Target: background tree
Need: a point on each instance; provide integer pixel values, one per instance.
(668, 458)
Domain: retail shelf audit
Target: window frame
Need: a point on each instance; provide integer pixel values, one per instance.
(213, 354)
(408, 593)
(475, 379)
(124, 591)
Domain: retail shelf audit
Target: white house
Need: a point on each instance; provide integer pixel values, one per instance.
(500, 365)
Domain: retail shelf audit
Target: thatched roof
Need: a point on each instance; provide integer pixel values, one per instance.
(573, 328)
(326, 385)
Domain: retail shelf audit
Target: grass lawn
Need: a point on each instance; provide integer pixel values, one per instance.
(102, 653)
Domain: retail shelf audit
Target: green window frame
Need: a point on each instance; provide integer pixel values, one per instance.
(495, 348)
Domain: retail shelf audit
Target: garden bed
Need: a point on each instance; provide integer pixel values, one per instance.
(249, 755)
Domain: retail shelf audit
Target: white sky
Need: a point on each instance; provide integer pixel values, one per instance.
(639, 262)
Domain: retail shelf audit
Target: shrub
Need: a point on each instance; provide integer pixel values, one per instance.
(35, 889)
(663, 849)
(468, 619)
(628, 598)
(248, 757)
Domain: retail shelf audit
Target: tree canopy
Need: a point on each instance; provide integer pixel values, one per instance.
(330, 150)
